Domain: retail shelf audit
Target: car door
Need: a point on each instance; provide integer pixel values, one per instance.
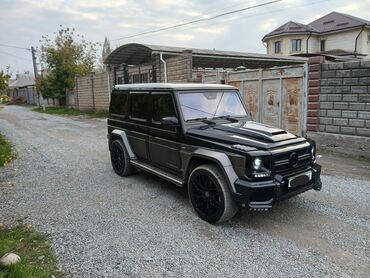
(164, 147)
(138, 123)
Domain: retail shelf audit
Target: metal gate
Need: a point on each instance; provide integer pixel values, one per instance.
(276, 96)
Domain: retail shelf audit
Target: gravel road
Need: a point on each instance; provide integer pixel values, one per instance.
(102, 225)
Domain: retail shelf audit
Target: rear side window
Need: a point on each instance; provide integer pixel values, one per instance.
(162, 106)
(139, 105)
(118, 103)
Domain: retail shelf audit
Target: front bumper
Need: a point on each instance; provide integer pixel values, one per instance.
(262, 194)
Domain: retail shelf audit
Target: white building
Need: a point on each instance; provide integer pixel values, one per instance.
(335, 34)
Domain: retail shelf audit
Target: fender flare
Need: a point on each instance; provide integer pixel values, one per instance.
(122, 134)
(222, 160)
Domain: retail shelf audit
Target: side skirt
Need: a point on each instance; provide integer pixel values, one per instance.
(158, 172)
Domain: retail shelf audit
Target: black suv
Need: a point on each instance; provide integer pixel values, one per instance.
(202, 137)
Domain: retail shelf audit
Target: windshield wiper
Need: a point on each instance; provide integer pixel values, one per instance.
(203, 120)
(197, 119)
(226, 117)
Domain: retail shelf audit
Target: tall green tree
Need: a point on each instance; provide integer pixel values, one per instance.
(65, 56)
(4, 79)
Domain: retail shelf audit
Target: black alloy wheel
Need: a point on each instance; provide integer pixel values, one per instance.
(206, 195)
(120, 159)
(209, 194)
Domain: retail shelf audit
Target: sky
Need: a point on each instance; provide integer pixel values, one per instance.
(24, 22)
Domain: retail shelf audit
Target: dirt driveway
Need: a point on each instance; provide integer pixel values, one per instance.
(101, 225)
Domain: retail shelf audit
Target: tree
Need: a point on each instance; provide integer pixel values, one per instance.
(66, 56)
(4, 79)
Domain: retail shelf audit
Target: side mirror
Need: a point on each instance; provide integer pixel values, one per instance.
(170, 121)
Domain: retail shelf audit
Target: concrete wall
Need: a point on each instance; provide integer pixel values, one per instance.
(345, 98)
(92, 92)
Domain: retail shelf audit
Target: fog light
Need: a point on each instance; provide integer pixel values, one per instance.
(261, 175)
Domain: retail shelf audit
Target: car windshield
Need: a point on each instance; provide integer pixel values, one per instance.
(209, 105)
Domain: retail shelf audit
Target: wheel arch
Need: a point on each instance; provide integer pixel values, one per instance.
(203, 156)
(121, 135)
(113, 137)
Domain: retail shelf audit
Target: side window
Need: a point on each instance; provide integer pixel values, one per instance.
(296, 45)
(118, 103)
(322, 45)
(163, 106)
(277, 45)
(139, 105)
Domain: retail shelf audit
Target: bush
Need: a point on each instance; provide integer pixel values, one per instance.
(4, 99)
(17, 101)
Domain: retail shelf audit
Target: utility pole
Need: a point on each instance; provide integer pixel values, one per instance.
(33, 52)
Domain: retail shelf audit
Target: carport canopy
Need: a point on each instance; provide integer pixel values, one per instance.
(136, 54)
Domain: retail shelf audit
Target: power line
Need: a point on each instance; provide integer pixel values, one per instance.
(197, 16)
(253, 15)
(197, 20)
(14, 46)
(15, 56)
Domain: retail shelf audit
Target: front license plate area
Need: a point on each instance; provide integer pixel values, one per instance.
(299, 180)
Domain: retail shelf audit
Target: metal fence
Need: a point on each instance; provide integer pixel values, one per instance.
(276, 96)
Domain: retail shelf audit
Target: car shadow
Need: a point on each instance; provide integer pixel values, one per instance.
(281, 212)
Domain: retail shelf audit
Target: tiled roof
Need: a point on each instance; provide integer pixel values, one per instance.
(22, 80)
(291, 27)
(337, 21)
(331, 22)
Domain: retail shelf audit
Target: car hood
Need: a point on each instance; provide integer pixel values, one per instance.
(247, 133)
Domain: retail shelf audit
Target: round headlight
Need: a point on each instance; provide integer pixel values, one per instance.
(313, 153)
(257, 163)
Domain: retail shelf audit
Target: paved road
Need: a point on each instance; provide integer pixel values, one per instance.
(101, 225)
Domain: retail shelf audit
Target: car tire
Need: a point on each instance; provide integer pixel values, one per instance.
(120, 159)
(209, 194)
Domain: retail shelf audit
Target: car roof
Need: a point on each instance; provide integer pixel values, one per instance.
(173, 86)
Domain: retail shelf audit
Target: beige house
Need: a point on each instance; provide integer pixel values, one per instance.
(335, 34)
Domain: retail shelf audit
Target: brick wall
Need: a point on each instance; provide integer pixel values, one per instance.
(179, 68)
(345, 98)
(314, 72)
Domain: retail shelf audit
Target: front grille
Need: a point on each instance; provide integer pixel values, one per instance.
(282, 164)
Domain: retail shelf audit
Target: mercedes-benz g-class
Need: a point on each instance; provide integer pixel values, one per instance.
(202, 137)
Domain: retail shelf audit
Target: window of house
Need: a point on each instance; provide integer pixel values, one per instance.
(296, 45)
(322, 45)
(162, 106)
(277, 47)
(118, 103)
(139, 106)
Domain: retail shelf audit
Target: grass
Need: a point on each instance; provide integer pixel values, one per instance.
(364, 159)
(37, 258)
(6, 152)
(64, 111)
